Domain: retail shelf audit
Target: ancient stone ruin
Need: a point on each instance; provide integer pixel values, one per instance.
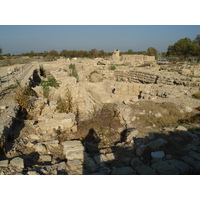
(123, 115)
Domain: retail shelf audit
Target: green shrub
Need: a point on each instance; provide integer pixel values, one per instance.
(196, 95)
(51, 82)
(94, 72)
(112, 67)
(73, 72)
(46, 91)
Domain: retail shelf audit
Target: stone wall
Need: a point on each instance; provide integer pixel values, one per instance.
(131, 59)
(138, 76)
(137, 59)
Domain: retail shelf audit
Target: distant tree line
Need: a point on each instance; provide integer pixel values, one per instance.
(93, 53)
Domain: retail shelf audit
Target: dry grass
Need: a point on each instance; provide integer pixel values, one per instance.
(22, 97)
(103, 125)
(158, 114)
(66, 104)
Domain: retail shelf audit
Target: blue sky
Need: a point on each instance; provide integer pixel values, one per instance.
(18, 39)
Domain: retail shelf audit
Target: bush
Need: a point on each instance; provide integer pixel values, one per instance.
(66, 105)
(73, 72)
(196, 95)
(51, 82)
(94, 72)
(112, 67)
(46, 91)
(23, 95)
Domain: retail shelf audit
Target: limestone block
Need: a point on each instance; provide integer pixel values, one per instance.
(40, 148)
(62, 121)
(51, 144)
(185, 72)
(33, 137)
(45, 158)
(96, 77)
(75, 167)
(3, 163)
(17, 162)
(32, 173)
(73, 150)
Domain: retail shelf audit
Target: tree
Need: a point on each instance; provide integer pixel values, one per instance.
(151, 51)
(53, 53)
(184, 48)
(130, 51)
(93, 52)
(101, 53)
(197, 39)
(0, 50)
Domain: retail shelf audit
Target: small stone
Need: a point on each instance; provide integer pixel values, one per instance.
(132, 135)
(188, 109)
(140, 150)
(158, 115)
(135, 162)
(133, 118)
(40, 148)
(151, 136)
(181, 128)
(32, 173)
(158, 154)
(90, 165)
(110, 156)
(145, 170)
(45, 158)
(124, 171)
(34, 137)
(163, 168)
(3, 107)
(74, 129)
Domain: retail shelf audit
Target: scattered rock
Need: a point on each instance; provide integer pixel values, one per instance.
(188, 109)
(135, 162)
(131, 135)
(157, 144)
(123, 171)
(158, 154)
(183, 167)
(140, 150)
(90, 165)
(163, 168)
(145, 170)
(181, 128)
